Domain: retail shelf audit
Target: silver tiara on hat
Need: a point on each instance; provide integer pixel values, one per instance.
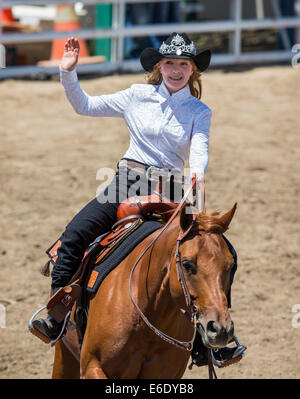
(177, 46)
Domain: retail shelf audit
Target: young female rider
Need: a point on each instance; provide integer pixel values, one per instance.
(167, 123)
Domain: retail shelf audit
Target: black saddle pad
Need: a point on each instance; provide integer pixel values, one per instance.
(120, 253)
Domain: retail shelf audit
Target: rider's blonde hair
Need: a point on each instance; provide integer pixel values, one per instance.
(155, 78)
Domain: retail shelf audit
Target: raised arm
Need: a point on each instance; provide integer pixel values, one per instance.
(105, 105)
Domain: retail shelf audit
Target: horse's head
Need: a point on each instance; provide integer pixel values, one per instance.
(206, 263)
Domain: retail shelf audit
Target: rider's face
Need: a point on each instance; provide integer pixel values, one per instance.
(175, 72)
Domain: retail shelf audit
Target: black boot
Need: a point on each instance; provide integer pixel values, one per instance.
(225, 356)
(221, 357)
(48, 328)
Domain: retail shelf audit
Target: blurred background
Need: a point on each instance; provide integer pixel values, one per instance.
(113, 33)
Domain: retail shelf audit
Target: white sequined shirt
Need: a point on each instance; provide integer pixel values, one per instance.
(164, 129)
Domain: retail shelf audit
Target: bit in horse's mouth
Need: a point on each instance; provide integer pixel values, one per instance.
(202, 332)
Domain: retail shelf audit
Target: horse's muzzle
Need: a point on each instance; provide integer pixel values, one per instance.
(216, 335)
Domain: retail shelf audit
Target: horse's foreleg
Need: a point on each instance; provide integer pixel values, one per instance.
(64, 366)
(90, 367)
(94, 372)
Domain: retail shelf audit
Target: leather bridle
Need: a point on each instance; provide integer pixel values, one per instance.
(192, 309)
(192, 312)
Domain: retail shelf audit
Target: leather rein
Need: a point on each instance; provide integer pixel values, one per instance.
(193, 310)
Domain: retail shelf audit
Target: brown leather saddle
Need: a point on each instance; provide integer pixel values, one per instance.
(131, 214)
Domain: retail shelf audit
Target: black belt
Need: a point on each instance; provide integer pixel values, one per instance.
(152, 172)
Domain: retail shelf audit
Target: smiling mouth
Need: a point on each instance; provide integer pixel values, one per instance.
(175, 78)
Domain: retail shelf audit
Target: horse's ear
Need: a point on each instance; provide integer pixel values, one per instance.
(227, 217)
(186, 217)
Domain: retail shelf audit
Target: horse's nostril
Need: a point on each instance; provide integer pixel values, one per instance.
(213, 327)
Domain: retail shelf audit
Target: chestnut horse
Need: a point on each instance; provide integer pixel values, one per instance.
(119, 343)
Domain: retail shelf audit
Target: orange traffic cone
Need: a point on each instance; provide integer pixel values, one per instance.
(8, 20)
(7, 16)
(10, 24)
(66, 20)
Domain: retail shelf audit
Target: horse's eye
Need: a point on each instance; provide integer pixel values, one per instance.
(189, 266)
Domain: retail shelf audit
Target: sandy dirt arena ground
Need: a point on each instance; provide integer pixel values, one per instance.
(49, 160)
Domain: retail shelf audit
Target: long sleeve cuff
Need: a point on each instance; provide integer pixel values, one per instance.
(67, 77)
(199, 171)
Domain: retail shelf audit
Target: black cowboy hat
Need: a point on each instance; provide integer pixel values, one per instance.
(177, 45)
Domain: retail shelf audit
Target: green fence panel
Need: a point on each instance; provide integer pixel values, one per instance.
(103, 19)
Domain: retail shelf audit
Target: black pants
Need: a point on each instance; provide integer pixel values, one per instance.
(97, 218)
(99, 215)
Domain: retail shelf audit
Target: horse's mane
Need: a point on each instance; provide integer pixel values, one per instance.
(211, 223)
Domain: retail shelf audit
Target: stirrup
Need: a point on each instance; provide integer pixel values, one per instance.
(240, 352)
(43, 337)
